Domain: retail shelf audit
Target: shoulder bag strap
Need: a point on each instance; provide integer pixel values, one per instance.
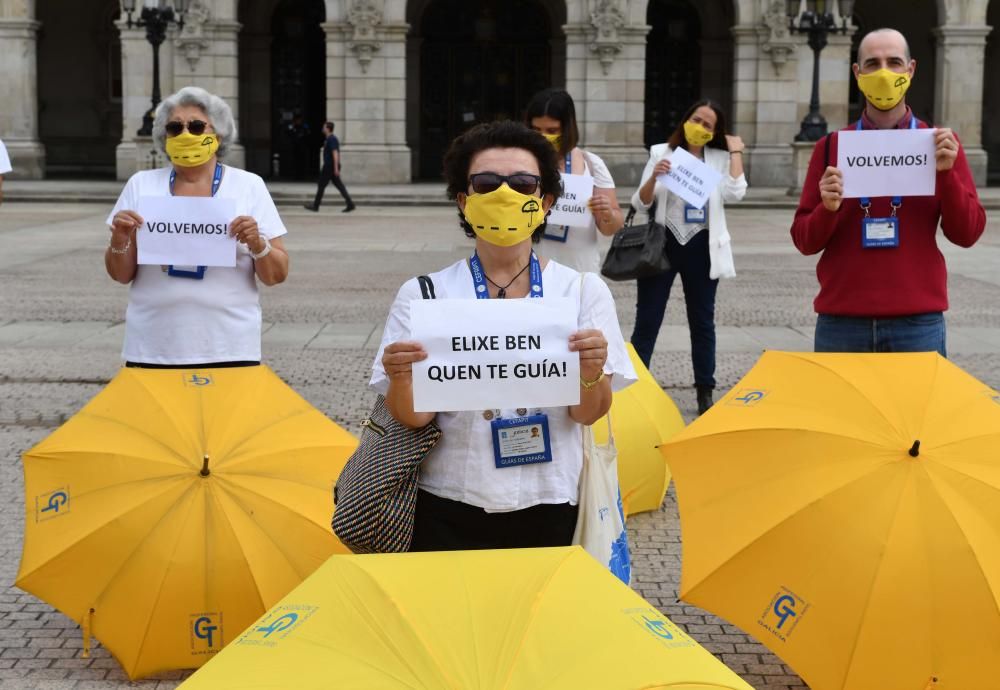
(426, 287)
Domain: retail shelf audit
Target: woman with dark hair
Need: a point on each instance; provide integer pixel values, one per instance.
(551, 112)
(504, 179)
(698, 242)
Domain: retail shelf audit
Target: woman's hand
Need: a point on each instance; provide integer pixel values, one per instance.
(245, 230)
(593, 349)
(661, 168)
(398, 359)
(734, 143)
(124, 225)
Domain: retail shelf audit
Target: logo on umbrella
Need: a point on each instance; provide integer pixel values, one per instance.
(783, 614)
(748, 397)
(52, 504)
(276, 625)
(195, 379)
(206, 633)
(653, 622)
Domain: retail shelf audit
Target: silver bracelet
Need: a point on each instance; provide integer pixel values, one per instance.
(123, 250)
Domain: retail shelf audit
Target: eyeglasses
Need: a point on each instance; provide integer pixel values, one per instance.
(485, 182)
(196, 127)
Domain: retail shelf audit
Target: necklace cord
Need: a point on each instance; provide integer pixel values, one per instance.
(502, 290)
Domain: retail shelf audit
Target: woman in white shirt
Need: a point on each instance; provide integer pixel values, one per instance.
(552, 113)
(698, 242)
(182, 316)
(465, 501)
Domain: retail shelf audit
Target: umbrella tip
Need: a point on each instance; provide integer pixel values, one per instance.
(932, 683)
(205, 471)
(914, 450)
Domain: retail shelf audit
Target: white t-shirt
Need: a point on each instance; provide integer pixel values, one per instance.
(461, 466)
(4, 160)
(581, 250)
(185, 321)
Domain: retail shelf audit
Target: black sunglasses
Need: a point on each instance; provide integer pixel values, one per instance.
(196, 127)
(523, 183)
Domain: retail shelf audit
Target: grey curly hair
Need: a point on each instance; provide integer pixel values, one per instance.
(219, 114)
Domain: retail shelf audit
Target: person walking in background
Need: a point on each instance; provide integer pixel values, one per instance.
(331, 171)
(4, 166)
(698, 242)
(551, 113)
(878, 296)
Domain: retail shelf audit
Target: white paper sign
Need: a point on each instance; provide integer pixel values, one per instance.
(571, 208)
(690, 178)
(186, 231)
(495, 354)
(887, 162)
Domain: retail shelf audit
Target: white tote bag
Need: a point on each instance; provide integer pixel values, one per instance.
(600, 524)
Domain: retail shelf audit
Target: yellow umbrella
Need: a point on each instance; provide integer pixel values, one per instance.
(643, 418)
(176, 507)
(845, 510)
(521, 619)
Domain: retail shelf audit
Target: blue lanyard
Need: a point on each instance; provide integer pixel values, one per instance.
(216, 181)
(897, 201)
(569, 163)
(479, 277)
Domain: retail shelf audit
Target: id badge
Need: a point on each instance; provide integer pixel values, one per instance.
(193, 272)
(695, 215)
(879, 232)
(558, 233)
(521, 441)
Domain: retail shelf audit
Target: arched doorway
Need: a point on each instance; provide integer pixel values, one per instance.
(689, 55)
(991, 95)
(478, 60)
(79, 97)
(282, 86)
(917, 23)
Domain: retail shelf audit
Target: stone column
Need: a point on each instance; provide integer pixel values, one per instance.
(959, 90)
(366, 93)
(19, 88)
(606, 75)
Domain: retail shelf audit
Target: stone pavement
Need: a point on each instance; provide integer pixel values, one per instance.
(60, 336)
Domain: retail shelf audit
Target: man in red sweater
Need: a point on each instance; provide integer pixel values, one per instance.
(884, 298)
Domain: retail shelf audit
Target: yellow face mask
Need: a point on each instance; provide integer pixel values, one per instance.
(555, 140)
(884, 88)
(188, 150)
(504, 217)
(697, 135)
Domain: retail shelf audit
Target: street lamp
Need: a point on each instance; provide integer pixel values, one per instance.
(156, 17)
(817, 18)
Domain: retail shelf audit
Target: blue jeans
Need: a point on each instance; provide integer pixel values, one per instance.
(915, 333)
(692, 262)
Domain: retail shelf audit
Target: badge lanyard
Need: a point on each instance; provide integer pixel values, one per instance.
(479, 277)
(897, 201)
(565, 228)
(199, 271)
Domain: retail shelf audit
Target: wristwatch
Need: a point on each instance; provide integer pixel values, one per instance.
(263, 252)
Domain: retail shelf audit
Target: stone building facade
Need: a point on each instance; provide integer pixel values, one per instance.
(400, 78)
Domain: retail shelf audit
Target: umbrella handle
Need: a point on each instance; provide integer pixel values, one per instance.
(85, 627)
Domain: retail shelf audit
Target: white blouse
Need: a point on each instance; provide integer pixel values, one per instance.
(461, 466)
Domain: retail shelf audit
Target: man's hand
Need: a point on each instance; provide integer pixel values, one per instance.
(945, 149)
(831, 188)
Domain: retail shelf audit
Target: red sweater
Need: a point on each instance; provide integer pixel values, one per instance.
(885, 282)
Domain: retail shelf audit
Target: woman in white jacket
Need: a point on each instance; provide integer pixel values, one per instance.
(698, 242)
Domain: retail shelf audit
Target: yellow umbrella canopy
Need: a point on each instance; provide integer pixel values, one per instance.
(845, 510)
(517, 619)
(643, 418)
(177, 506)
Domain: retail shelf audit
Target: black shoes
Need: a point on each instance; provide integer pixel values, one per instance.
(704, 399)
(350, 207)
(310, 207)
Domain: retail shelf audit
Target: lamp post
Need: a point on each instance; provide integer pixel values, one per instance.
(156, 17)
(818, 19)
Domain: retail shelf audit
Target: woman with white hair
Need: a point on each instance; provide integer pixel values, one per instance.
(193, 315)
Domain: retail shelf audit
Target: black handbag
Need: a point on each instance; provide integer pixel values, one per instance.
(637, 251)
(376, 493)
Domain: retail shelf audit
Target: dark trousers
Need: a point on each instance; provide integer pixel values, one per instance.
(326, 176)
(441, 524)
(692, 262)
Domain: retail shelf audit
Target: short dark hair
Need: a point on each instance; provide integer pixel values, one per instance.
(502, 134)
(677, 139)
(557, 104)
(328, 125)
